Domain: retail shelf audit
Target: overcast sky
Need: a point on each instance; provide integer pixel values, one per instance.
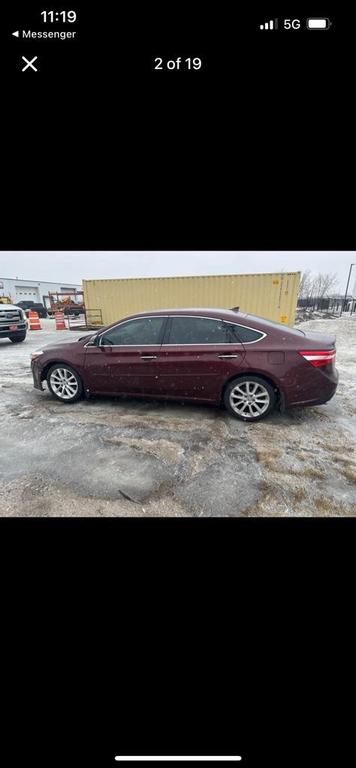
(74, 266)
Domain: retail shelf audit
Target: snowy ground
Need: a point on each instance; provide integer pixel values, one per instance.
(113, 457)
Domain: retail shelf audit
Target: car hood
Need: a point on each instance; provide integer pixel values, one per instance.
(58, 345)
(67, 342)
(9, 306)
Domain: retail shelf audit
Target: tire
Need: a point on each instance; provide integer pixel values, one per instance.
(17, 339)
(64, 383)
(239, 400)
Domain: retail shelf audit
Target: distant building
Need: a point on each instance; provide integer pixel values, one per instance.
(31, 290)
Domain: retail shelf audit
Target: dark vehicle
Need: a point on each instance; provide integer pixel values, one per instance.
(69, 302)
(211, 356)
(13, 323)
(72, 311)
(34, 307)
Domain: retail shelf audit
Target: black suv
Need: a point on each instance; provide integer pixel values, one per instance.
(39, 308)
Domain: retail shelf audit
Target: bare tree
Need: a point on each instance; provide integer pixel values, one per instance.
(317, 286)
(305, 284)
(323, 284)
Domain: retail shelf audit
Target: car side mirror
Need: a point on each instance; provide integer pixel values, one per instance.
(94, 341)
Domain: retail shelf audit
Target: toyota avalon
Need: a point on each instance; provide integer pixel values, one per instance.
(217, 356)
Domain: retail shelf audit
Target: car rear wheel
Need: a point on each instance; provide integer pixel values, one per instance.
(64, 383)
(249, 398)
(17, 339)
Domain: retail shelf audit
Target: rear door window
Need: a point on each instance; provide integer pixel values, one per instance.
(198, 330)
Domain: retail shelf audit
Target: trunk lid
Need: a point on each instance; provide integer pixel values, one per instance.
(319, 340)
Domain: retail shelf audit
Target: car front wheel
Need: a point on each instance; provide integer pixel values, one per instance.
(64, 383)
(249, 398)
(18, 338)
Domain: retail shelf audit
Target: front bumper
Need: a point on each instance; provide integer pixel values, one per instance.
(5, 331)
(36, 373)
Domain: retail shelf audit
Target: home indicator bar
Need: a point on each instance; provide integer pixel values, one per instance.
(178, 759)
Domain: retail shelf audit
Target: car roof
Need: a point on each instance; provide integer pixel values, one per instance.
(227, 314)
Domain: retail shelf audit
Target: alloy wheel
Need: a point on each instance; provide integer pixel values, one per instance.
(64, 384)
(249, 399)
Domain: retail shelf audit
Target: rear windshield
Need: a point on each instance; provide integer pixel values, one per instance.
(270, 324)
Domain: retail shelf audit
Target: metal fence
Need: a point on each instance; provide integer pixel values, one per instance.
(88, 320)
(332, 305)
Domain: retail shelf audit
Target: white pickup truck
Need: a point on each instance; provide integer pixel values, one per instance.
(13, 323)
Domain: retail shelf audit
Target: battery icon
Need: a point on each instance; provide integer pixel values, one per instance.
(318, 23)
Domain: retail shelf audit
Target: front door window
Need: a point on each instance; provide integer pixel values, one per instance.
(145, 331)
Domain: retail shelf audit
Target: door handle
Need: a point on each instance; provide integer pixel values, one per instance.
(222, 357)
(148, 357)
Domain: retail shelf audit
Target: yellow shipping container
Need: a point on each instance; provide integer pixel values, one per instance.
(271, 295)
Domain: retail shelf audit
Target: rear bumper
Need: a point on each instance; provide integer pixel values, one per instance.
(320, 394)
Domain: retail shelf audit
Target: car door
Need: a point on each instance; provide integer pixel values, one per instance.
(197, 356)
(125, 361)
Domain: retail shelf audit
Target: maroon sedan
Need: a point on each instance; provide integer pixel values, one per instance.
(214, 356)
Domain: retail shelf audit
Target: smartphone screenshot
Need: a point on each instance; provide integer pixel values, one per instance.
(177, 384)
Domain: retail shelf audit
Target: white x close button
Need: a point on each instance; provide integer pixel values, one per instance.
(29, 63)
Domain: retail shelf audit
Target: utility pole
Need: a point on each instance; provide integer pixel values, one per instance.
(347, 288)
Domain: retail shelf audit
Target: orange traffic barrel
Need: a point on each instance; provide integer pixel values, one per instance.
(60, 323)
(34, 321)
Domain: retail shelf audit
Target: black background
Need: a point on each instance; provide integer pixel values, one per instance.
(253, 151)
(177, 636)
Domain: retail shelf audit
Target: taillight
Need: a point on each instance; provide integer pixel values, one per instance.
(319, 357)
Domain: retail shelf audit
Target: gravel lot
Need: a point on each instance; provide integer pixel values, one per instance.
(108, 457)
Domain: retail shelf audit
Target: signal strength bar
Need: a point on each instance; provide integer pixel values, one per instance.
(271, 24)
